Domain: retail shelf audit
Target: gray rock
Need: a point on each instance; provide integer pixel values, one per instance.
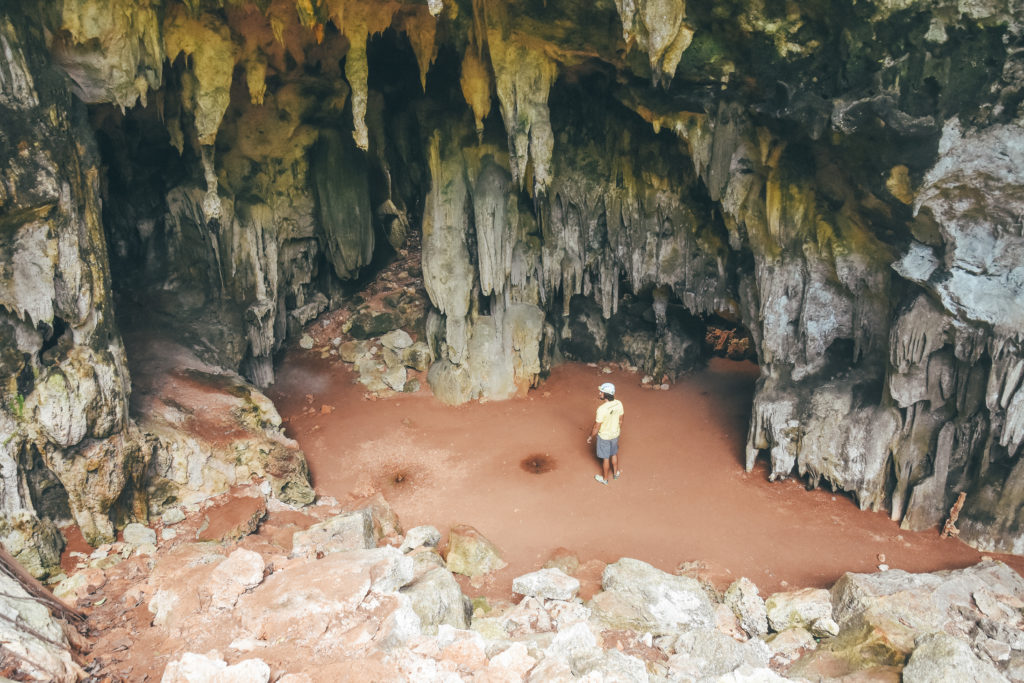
(196, 668)
(643, 598)
(396, 340)
(748, 606)
(437, 599)
(42, 660)
(708, 653)
(804, 607)
(173, 516)
(395, 377)
(420, 536)
(306, 342)
(939, 657)
(748, 674)
(347, 531)
(552, 584)
(139, 534)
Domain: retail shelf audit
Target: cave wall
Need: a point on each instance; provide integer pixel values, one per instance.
(67, 445)
(589, 179)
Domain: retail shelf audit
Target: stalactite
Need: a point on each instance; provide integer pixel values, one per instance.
(210, 59)
(358, 21)
(658, 28)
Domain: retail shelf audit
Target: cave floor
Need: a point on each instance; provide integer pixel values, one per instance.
(521, 473)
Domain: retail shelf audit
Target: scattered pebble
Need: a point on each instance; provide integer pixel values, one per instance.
(647, 379)
(306, 342)
(664, 387)
(606, 370)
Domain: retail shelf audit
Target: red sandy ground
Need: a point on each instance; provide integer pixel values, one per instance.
(683, 496)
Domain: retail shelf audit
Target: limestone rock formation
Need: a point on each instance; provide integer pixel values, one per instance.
(589, 180)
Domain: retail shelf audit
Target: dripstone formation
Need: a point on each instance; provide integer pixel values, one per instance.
(588, 180)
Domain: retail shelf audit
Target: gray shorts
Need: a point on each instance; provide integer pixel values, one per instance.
(606, 448)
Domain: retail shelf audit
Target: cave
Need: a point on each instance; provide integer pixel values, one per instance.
(223, 223)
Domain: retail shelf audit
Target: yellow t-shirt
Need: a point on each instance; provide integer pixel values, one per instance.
(609, 414)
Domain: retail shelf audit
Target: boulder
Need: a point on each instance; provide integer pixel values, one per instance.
(789, 645)
(139, 534)
(347, 531)
(396, 340)
(705, 652)
(210, 668)
(45, 658)
(241, 571)
(939, 657)
(547, 583)
(420, 536)
(810, 608)
(417, 357)
(437, 599)
(746, 603)
(471, 554)
(351, 351)
(395, 377)
(643, 598)
(367, 324)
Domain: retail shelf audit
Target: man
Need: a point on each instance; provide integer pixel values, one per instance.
(607, 426)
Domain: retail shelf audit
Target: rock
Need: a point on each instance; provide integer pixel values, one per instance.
(396, 340)
(804, 607)
(36, 543)
(172, 516)
(420, 536)
(789, 645)
(367, 324)
(437, 599)
(80, 584)
(241, 571)
(470, 553)
(706, 653)
(306, 342)
(939, 657)
(552, 584)
(347, 531)
(195, 668)
(511, 664)
(743, 598)
(750, 674)
(139, 534)
(351, 351)
(418, 357)
(232, 518)
(642, 598)
(394, 377)
(40, 660)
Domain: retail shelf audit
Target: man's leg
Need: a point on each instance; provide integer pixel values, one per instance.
(604, 467)
(615, 465)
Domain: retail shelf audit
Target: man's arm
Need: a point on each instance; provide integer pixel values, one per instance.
(593, 432)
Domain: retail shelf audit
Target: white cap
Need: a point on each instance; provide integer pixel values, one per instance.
(607, 388)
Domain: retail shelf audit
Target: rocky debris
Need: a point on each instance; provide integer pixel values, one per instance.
(551, 584)
(640, 597)
(470, 553)
(347, 531)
